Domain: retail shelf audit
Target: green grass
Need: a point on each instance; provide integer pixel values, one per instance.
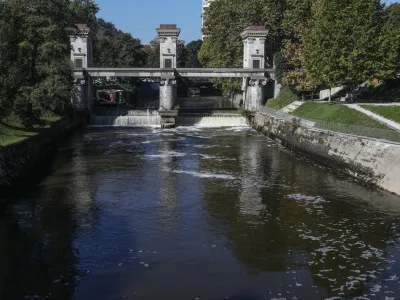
(336, 113)
(285, 97)
(388, 112)
(11, 130)
(340, 118)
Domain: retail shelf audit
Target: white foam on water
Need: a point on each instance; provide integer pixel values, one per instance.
(238, 128)
(213, 157)
(206, 146)
(311, 199)
(166, 155)
(153, 141)
(204, 175)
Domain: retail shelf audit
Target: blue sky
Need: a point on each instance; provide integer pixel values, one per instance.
(142, 17)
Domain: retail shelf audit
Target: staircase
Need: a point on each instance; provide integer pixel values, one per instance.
(292, 107)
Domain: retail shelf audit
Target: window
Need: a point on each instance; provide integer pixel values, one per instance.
(168, 63)
(79, 63)
(256, 64)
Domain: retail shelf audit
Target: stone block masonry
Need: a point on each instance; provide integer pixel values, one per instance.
(371, 161)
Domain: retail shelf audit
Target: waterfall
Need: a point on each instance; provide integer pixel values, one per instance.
(143, 118)
(211, 119)
(132, 118)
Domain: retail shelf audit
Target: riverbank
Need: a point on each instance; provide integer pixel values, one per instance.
(372, 161)
(25, 158)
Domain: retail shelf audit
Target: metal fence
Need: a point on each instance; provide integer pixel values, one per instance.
(364, 131)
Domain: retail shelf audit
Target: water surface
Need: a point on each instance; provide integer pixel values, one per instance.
(196, 213)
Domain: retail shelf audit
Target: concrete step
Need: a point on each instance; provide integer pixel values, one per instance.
(292, 106)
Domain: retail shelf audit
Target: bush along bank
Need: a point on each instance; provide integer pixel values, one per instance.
(371, 161)
(19, 161)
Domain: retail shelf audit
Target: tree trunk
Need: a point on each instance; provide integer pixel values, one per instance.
(330, 94)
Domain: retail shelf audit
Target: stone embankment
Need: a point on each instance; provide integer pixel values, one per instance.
(372, 161)
(26, 158)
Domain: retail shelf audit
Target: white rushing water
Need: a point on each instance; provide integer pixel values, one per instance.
(151, 118)
(212, 120)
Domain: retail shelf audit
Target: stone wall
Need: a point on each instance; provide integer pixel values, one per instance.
(26, 158)
(372, 161)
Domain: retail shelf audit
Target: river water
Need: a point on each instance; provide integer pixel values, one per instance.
(196, 213)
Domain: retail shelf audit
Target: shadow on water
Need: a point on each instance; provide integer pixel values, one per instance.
(41, 230)
(195, 213)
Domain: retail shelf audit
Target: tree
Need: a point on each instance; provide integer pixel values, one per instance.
(11, 73)
(120, 51)
(390, 39)
(346, 43)
(280, 64)
(297, 19)
(84, 11)
(193, 48)
(153, 59)
(223, 48)
(39, 50)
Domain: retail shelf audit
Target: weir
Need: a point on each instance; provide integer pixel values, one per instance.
(152, 118)
(254, 75)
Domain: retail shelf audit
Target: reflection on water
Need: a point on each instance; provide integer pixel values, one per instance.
(194, 213)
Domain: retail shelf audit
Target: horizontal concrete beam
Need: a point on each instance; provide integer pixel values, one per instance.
(180, 72)
(223, 73)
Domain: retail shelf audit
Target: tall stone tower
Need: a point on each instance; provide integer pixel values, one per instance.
(254, 58)
(254, 47)
(168, 36)
(82, 47)
(82, 58)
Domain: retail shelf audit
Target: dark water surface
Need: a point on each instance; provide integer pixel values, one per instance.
(196, 213)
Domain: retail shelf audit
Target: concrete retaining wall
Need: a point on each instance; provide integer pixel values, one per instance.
(372, 161)
(26, 158)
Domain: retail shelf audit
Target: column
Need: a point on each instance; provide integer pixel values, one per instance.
(255, 94)
(167, 94)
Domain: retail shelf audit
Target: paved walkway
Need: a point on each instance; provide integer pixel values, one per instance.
(390, 123)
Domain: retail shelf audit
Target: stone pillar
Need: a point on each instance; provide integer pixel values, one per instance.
(168, 37)
(253, 58)
(82, 58)
(255, 94)
(167, 112)
(167, 93)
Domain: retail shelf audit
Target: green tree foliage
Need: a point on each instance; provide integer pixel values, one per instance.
(10, 72)
(349, 43)
(84, 11)
(280, 64)
(192, 49)
(181, 54)
(223, 48)
(391, 35)
(36, 40)
(153, 58)
(120, 51)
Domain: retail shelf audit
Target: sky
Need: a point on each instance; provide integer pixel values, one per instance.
(142, 17)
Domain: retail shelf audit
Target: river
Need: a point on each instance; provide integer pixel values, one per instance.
(195, 213)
